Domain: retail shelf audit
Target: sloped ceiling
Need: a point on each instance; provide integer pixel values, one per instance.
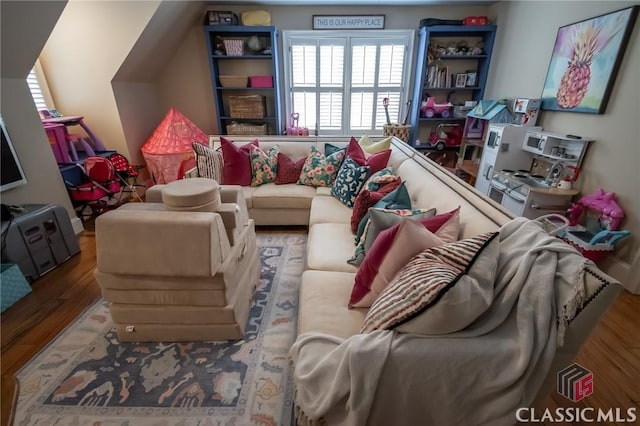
(159, 40)
(22, 43)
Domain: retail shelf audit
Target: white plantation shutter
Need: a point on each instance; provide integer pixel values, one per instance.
(36, 91)
(336, 81)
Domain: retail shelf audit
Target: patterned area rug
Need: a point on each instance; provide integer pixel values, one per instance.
(86, 377)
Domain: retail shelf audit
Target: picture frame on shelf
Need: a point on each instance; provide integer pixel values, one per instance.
(585, 61)
(472, 78)
(461, 80)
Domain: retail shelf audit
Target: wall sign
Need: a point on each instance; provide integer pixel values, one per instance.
(348, 22)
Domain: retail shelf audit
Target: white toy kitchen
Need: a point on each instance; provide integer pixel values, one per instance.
(529, 171)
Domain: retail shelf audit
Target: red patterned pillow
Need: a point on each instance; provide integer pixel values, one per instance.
(288, 171)
(376, 162)
(237, 163)
(367, 199)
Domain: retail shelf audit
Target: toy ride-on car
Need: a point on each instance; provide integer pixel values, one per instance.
(446, 135)
(430, 108)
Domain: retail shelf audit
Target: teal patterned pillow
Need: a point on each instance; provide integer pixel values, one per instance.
(264, 166)
(351, 177)
(379, 179)
(320, 170)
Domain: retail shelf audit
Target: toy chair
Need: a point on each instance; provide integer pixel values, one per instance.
(128, 174)
(593, 224)
(98, 191)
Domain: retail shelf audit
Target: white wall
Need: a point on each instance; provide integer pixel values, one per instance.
(84, 53)
(20, 47)
(525, 39)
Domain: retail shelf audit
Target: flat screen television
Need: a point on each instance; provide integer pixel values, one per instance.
(10, 169)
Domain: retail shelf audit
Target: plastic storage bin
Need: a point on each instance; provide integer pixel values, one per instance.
(261, 81)
(14, 285)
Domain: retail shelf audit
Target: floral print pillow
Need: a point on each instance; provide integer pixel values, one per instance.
(320, 170)
(264, 166)
(349, 182)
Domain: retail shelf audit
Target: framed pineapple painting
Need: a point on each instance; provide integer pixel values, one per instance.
(585, 61)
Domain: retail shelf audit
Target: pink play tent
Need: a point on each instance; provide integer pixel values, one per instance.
(168, 152)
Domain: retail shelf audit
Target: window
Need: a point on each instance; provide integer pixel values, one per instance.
(39, 89)
(337, 81)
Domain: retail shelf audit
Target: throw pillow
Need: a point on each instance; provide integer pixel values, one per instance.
(446, 225)
(393, 248)
(349, 181)
(379, 220)
(372, 147)
(237, 163)
(397, 199)
(459, 275)
(264, 165)
(331, 149)
(288, 171)
(379, 179)
(320, 170)
(209, 162)
(376, 161)
(366, 199)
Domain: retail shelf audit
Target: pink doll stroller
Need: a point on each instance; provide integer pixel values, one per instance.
(97, 193)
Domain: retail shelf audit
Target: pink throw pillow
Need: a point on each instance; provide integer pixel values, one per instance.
(376, 162)
(392, 249)
(288, 171)
(237, 163)
(446, 225)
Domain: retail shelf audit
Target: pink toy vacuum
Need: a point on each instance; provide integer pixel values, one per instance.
(593, 224)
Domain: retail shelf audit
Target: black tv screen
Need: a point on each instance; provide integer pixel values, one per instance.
(10, 169)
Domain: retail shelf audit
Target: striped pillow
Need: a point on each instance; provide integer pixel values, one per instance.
(441, 290)
(209, 162)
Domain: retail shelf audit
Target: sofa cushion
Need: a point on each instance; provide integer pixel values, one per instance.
(329, 210)
(292, 196)
(329, 246)
(208, 161)
(378, 221)
(393, 249)
(349, 181)
(320, 170)
(237, 164)
(459, 275)
(288, 170)
(248, 191)
(376, 162)
(264, 165)
(324, 191)
(323, 304)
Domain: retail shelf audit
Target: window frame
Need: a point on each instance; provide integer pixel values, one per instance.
(377, 36)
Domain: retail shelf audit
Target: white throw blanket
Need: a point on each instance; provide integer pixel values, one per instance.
(479, 375)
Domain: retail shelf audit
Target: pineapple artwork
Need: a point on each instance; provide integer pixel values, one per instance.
(585, 58)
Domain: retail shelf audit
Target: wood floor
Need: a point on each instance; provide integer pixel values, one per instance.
(612, 353)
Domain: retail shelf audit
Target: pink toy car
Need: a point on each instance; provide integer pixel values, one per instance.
(430, 108)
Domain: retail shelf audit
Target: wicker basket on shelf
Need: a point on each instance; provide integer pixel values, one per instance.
(249, 106)
(401, 131)
(233, 80)
(247, 129)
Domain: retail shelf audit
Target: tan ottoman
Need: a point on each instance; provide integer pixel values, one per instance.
(196, 195)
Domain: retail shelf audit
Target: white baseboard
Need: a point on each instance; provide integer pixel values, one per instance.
(622, 272)
(77, 225)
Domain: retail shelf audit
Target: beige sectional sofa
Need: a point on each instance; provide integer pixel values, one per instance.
(328, 279)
